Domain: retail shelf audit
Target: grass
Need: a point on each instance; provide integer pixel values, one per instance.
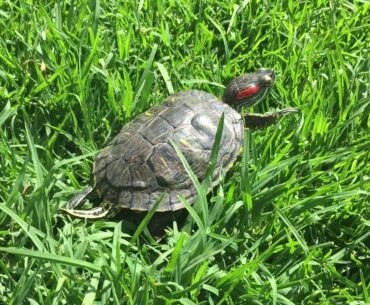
(289, 225)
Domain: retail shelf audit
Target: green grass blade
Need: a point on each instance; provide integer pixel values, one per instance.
(162, 69)
(145, 221)
(58, 259)
(294, 231)
(31, 232)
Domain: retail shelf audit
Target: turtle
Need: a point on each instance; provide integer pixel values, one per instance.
(140, 165)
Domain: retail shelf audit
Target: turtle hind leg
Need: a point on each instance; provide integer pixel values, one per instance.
(87, 193)
(95, 213)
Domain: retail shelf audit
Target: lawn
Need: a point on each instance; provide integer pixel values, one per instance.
(289, 224)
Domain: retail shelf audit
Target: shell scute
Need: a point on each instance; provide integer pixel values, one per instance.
(125, 199)
(118, 173)
(136, 150)
(166, 166)
(142, 176)
(157, 131)
(177, 115)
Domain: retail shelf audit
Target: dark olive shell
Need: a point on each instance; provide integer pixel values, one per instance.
(140, 164)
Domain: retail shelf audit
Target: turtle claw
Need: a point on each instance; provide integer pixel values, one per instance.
(286, 111)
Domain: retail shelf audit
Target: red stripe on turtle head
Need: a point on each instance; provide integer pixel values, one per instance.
(247, 92)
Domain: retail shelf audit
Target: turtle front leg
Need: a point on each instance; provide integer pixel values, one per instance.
(262, 120)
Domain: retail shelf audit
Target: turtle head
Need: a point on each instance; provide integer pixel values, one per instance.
(249, 89)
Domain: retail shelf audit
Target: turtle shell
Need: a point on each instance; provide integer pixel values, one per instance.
(140, 164)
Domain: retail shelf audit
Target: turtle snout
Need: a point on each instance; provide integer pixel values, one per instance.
(268, 77)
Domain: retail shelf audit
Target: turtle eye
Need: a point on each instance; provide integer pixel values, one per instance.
(248, 92)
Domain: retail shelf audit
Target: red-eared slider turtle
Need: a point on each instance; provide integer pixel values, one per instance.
(140, 163)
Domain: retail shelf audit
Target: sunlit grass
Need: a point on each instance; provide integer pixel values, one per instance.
(288, 225)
